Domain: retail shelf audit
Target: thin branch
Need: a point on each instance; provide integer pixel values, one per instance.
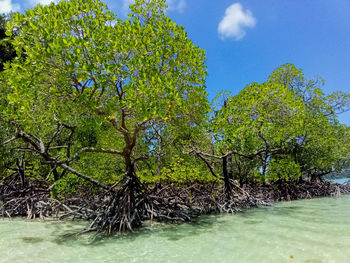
(141, 158)
(208, 165)
(57, 132)
(87, 178)
(10, 140)
(86, 149)
(49, 159)
(58, 147)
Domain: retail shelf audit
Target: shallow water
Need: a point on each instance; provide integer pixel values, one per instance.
(310, 231)
(341, 181)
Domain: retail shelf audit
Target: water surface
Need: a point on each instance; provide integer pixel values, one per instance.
(341, 180)
(310, 231)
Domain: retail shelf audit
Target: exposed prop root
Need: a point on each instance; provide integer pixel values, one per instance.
(123, 210)
(126, 209)
(130, 205)
(34, 201)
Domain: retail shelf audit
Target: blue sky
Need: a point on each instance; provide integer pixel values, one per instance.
(255, 37)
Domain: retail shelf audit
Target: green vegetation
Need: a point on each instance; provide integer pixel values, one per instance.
(90, 100)
(7, 51)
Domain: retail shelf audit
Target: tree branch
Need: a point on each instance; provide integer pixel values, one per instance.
(87, 149)
(10, 140)
(208, 165)
(49, 159)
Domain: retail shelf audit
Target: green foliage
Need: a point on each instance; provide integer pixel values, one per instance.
(323, 143)
(259, 113)
(181, 171)
(83, 43)
(7, 52)
(283, 168)
(109, 79)
(102, 167)
(68, 186)
(285, 125)
(137, 86)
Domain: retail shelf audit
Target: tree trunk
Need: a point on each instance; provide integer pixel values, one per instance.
(230, 167)
(227, 182)
(128, 206)
(21, 165)
(159, 155)
(314, 178)
(129, 168)
(56, 175)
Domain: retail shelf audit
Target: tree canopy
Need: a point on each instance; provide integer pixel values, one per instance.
(84, 66)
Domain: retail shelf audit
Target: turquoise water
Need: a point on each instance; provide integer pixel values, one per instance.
(341, 181)
(310, 231)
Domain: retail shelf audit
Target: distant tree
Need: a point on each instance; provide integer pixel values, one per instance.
(323, 144)
(255, 125)
(282, 129)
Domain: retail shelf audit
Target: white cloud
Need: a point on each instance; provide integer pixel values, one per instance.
(235, 21)
(7, 6)
(177, 5)
(42, 2)
(173, 5)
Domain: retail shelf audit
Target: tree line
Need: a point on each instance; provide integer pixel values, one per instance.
(88, 99)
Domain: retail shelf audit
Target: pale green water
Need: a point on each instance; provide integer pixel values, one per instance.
(315, 230)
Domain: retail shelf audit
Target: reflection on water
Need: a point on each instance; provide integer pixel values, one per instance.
(300, 231)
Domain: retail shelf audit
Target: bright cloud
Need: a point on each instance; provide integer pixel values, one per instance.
(178, 5)
(7, 6)
(235, 21)
(42, 2)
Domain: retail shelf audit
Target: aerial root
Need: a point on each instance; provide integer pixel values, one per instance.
(132, 203)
